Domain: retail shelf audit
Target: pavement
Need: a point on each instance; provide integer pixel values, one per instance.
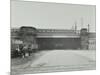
(60, 60)
(19, 63)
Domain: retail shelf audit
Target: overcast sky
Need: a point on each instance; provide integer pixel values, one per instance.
(51, 15)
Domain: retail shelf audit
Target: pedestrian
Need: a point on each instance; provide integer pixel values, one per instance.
(29, 50)
(24, 51)
(16, 52)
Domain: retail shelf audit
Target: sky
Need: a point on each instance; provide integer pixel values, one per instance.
(52, 15)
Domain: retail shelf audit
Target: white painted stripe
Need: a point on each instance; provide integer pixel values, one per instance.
(58, 36)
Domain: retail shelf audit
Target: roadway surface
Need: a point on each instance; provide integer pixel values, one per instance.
(59, 60)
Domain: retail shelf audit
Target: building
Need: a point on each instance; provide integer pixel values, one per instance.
(92, 41)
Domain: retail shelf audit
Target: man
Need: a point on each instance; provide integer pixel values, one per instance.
(29, 50)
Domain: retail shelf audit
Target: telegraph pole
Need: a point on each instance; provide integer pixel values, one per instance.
(88, 28)
(82, 22)
(75, 26)
(88, 35)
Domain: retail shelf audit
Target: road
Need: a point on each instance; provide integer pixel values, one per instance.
(61, 60)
